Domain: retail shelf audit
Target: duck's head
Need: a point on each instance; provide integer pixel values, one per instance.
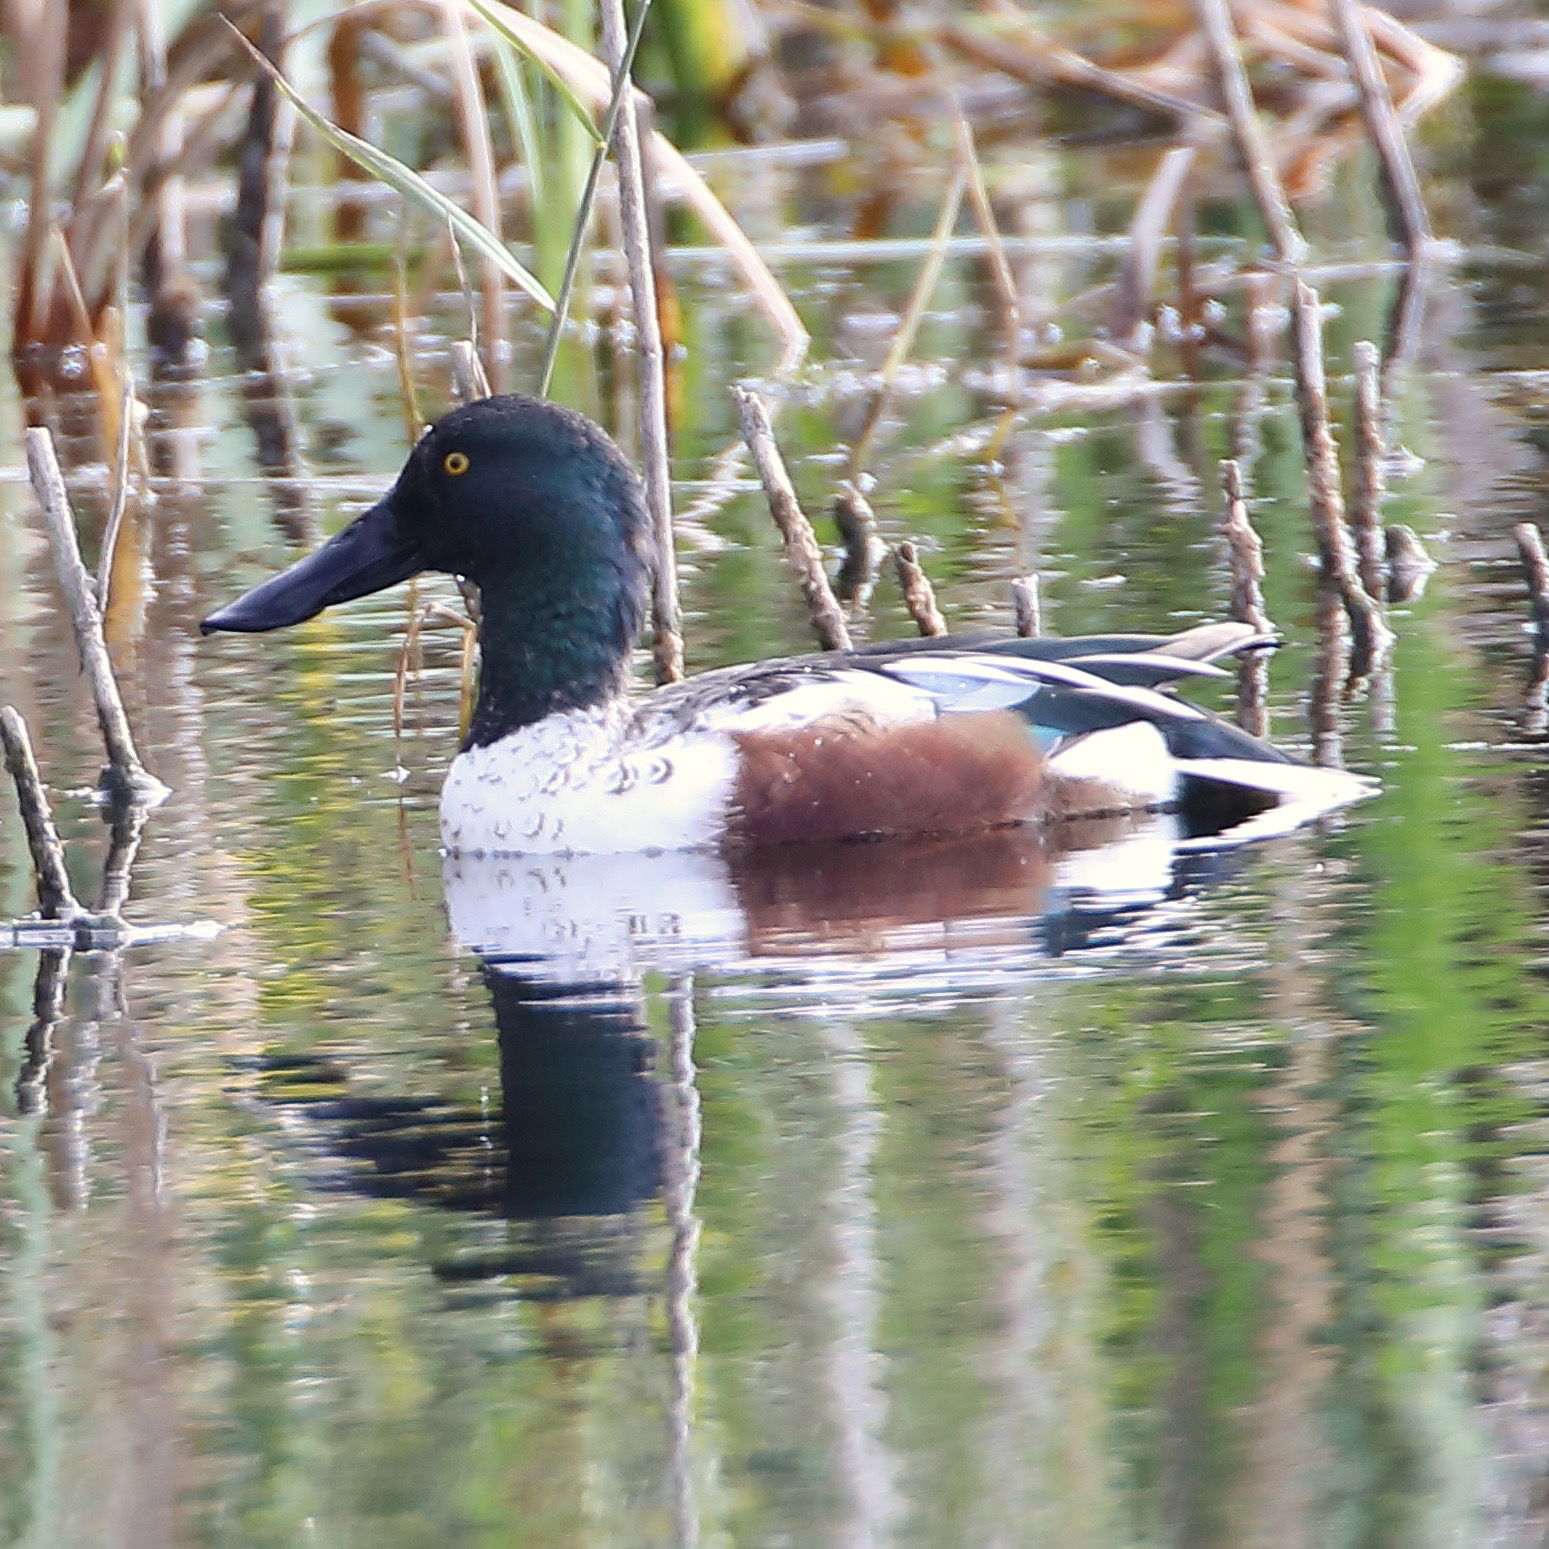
(502, 486)
(534, 503)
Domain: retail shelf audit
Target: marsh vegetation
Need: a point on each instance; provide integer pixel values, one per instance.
(962, 1193)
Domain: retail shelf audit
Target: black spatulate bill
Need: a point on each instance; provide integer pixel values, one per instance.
(369, 555)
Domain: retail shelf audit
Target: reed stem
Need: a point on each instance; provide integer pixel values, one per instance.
(126, 775)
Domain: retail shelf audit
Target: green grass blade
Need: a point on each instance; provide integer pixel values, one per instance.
(621, 88)
(519, 118)
(389, 170)
(567, 92)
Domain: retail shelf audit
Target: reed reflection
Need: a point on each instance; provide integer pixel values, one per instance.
(574, 1150)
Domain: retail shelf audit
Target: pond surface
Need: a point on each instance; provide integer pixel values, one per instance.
(974, 1194)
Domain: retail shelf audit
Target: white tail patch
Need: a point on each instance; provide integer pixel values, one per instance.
(1132, 758)
(1305, 792)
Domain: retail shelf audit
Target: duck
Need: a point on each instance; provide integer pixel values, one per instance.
(957, 734)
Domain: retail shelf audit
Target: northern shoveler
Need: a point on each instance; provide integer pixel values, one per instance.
(537, 505)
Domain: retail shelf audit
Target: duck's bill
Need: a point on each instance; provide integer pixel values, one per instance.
(372, 553)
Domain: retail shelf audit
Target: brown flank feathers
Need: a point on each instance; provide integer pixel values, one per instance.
(843, 778)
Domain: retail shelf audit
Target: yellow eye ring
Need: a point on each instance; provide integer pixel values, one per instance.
(455, 463)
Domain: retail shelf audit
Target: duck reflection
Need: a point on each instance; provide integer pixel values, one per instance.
(573, 1149)
(574, 1156)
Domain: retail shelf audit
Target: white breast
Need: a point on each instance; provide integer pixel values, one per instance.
(564, 786)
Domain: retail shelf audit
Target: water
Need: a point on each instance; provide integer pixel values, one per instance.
(957, 1195)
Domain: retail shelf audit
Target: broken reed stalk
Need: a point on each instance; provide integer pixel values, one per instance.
(1367, 489)
(801, 544)
(1137, 269)
(407, 653)
(468, 379)
(55, 899)
(118, 865)
(48, 1004)
(114, 525)
(919, 595)
(909, 323)
(1027, 606)
(473, 124)
(252, 241)
(1535, 571)
(1400, 186)
(1536, 700)
(863, 549)
(1008, 300)
(1330, 679)
(666, 617)
(1033, 59)
(1322, 454)
(1245, 551)
(1220, 31)
(125, 775)
(1245, 557)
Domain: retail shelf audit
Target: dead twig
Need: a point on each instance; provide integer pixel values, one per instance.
(1137, 272)
(125, 775)
(1322, 454)
(1535, 571)
(55, 899)
(408, 398)
(1008, 300)
(1032, 59)
(1027, 606)
(863, 549)
(1330, 679)
(1245, 557)
(919, 596)
(1367, 489)
(409, 650)
(129, 451)
(909, 323)
(1401, 188)
(1245, 552)
(801, 544)
(1215, 18)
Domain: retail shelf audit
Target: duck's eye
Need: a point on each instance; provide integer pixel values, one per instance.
(455, 463)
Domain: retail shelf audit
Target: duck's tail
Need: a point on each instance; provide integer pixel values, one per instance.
(1235, 799)
(1225, 785)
